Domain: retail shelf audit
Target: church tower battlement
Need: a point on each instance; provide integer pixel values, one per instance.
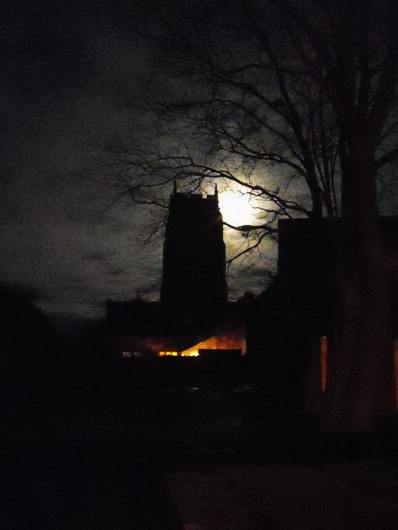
(194, 268)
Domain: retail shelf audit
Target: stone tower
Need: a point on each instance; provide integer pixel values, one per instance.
(194, 285)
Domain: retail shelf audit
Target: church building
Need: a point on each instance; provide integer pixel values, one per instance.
(193, 317)
(194, 284)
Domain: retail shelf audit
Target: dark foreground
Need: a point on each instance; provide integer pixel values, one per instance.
(94, 447)
(86, 489)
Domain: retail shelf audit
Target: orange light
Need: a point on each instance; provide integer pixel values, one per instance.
(324, 362)
(395, 346)
(178, 354)
(189, 353)
(222, 341)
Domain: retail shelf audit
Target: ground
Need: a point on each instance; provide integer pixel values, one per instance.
(87, 489)
(109, 449)
(335, 496)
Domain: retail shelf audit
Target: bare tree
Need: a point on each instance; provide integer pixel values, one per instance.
(239, 116)
(349, 49)
(295, 103)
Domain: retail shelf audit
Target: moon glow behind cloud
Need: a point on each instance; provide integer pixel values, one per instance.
(236, 208)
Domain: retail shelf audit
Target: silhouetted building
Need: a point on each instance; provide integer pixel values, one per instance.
(193, 313)
(194, 282)
(306, 267)
(291, 329)
(25, 332)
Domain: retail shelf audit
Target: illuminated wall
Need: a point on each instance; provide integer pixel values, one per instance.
(226, 340)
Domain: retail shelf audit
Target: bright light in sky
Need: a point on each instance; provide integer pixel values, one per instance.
(236, 208)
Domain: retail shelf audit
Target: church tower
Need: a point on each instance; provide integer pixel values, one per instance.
(194, 285)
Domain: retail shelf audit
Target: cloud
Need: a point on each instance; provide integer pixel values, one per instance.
(70, 82)
(117, 272)
(95, 256)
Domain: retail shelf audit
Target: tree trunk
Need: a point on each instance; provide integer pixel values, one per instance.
(361, 377)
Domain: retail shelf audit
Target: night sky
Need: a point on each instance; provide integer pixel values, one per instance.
(71, 81)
